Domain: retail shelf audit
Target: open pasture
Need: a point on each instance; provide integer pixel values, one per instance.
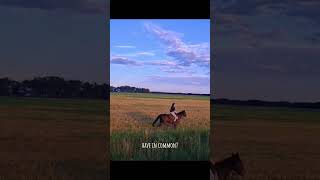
(274, 142)
(131, 125)
(56, 139)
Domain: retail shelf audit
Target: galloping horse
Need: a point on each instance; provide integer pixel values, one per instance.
(231, 164)
(169, 119)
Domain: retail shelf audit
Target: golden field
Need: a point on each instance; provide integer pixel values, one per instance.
(138, 111)
(131, 124)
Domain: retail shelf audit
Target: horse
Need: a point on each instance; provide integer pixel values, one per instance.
(225, 167)
(169, 119)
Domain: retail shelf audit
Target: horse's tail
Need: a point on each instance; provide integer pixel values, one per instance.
(154, 122)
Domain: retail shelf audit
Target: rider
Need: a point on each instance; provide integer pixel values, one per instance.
(173, 112)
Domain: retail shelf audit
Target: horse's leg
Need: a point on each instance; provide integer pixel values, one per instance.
(155, 121)
(175, 124)
(161, 121)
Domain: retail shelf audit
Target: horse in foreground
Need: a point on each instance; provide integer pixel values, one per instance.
(169, 119)
(224, 168)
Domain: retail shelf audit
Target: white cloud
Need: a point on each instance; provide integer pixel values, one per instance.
(125, 46)
(139, 53)
(203, 81)
(145, 54)
(124, 61)
(162, 63)
(185, 54)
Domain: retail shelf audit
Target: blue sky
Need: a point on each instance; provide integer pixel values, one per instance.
(162, 55)
(267, 50)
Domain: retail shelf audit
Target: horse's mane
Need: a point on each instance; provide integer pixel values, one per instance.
(224, 160)
(181, 112)
(227, 161)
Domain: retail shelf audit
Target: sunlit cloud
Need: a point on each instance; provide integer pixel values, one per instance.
(125, 46)
(124, 61)
(185, 54)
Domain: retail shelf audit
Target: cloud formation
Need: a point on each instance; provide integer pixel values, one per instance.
(273, 74)
(163, 65)
(284, 62)
(266, 23)
(139, 53)
(170, 67)
(124, 61)
(82, 6)
(145, 54)
(125, 46)
(201, 82)
(302, 8)
(185, 54)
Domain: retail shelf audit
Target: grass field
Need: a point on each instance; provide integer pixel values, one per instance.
(66, 139)
(274, 142)
(133, 114)
(56, 139)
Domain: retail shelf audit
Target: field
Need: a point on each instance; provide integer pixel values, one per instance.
(274, 142)
(56, 139)
(66, 139)
(133, 114)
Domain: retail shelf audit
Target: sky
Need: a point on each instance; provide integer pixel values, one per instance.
(161, 55)
(266, 50)
(262, 49)
(53, 38)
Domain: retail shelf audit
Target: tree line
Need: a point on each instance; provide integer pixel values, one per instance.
(312, 105)
(53, 87)
(57, 87)
(129, 89)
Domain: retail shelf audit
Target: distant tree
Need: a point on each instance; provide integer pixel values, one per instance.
(57, 87)
(129, 89)
(4, 86)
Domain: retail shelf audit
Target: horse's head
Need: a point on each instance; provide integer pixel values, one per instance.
(184, 114)
(237, 164)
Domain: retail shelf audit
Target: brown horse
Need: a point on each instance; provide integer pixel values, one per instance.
(168, 119)
(225, 167)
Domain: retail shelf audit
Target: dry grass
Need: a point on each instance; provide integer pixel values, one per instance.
(136, 113)
(286, 147)
(52, 139)
(131, 124)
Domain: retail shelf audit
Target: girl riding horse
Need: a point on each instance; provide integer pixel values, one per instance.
(173, 112)
(173, 118)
